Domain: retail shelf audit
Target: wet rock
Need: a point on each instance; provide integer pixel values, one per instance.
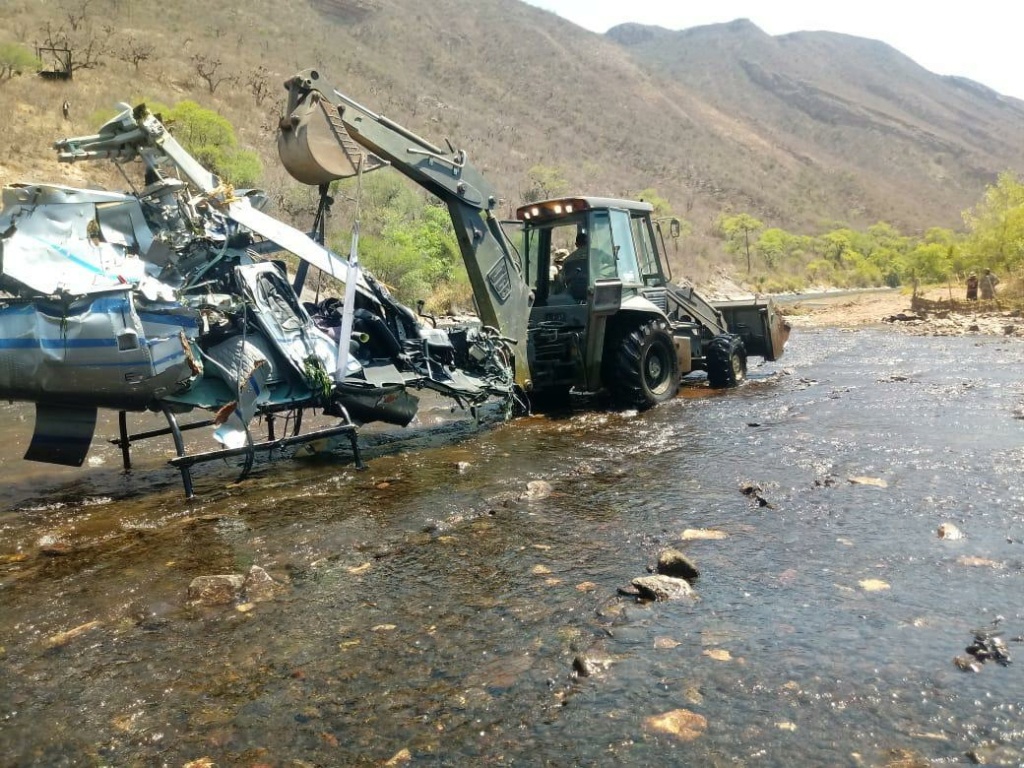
(718, 654)
(707, 534)
(950, 532)
(629, 590)
(63, 638)
(588, 666)
(873, 585)
(660, 587)
(536, 490)
(876, 482)
(988, 644)
(996, 754)
(756, 493)
(680, 723)
(906, 758)
(222, 589)
(967, 664)
(401, 757)
(972, 561)
(51, 546)
(904, 317)
(672, 562)
(260, 586)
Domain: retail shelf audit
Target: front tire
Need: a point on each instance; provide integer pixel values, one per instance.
(641, 367)
(726, 361)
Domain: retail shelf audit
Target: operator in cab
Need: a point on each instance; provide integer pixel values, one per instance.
(574, 274)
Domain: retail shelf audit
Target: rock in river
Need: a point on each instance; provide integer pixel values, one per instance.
(672, 562)
(660, 587)
(222, 589)
(259, 586)
(950, 532)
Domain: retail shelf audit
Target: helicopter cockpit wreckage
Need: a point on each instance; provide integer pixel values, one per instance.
(174, 298)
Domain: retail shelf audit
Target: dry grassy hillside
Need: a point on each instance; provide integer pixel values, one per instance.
(717, 119)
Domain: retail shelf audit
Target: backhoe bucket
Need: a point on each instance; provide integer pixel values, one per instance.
(314, 146)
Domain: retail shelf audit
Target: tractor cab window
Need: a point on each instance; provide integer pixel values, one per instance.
(647, 257)
(612, 251)
(556, 260)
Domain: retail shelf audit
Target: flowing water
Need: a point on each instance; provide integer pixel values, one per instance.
(434, 607)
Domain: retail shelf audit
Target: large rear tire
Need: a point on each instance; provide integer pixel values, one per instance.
(727, 361)
(641, 368)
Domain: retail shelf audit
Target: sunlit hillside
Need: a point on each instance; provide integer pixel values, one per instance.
(806, 131)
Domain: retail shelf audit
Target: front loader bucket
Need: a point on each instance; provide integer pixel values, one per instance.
(313, 144)
(759, 323)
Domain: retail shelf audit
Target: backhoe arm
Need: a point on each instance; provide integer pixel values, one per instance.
(321, 138)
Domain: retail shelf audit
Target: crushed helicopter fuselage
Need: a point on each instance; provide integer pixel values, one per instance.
(173, 298)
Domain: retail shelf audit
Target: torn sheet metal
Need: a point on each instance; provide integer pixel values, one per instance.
(161, 299)
(63, 240)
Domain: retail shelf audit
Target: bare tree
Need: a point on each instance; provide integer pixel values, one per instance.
(134, 51)
(207, 69)
(88, 56)
(78, 16)
(259, 84)
(86, 47)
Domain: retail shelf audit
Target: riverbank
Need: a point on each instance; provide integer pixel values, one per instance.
(931, 313)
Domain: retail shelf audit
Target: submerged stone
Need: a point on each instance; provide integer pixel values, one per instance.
(222, 589)
(260, 586)
(680, 723)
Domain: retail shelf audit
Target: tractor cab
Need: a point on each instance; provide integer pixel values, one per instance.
(572, 245)
(586, 260)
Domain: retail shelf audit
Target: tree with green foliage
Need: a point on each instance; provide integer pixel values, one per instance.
(773, 245)
(835, 244)
(739, 230)
(662, 207)
(543, 183)
(210, 138)
(996, 225)
(15, 59)
(408, 242)
(929, 262)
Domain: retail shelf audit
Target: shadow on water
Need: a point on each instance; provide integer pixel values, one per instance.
(436, 602)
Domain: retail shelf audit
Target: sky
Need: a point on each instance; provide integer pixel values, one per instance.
(980, 39)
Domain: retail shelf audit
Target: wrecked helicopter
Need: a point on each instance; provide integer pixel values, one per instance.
(174, 298)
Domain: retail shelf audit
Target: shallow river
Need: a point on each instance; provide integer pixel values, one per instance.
(433, 614)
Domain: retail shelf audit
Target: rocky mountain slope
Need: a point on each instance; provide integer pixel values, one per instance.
(803, 130)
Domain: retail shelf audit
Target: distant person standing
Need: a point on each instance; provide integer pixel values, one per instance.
(65, 109)
(972, 287)
(988, 285)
